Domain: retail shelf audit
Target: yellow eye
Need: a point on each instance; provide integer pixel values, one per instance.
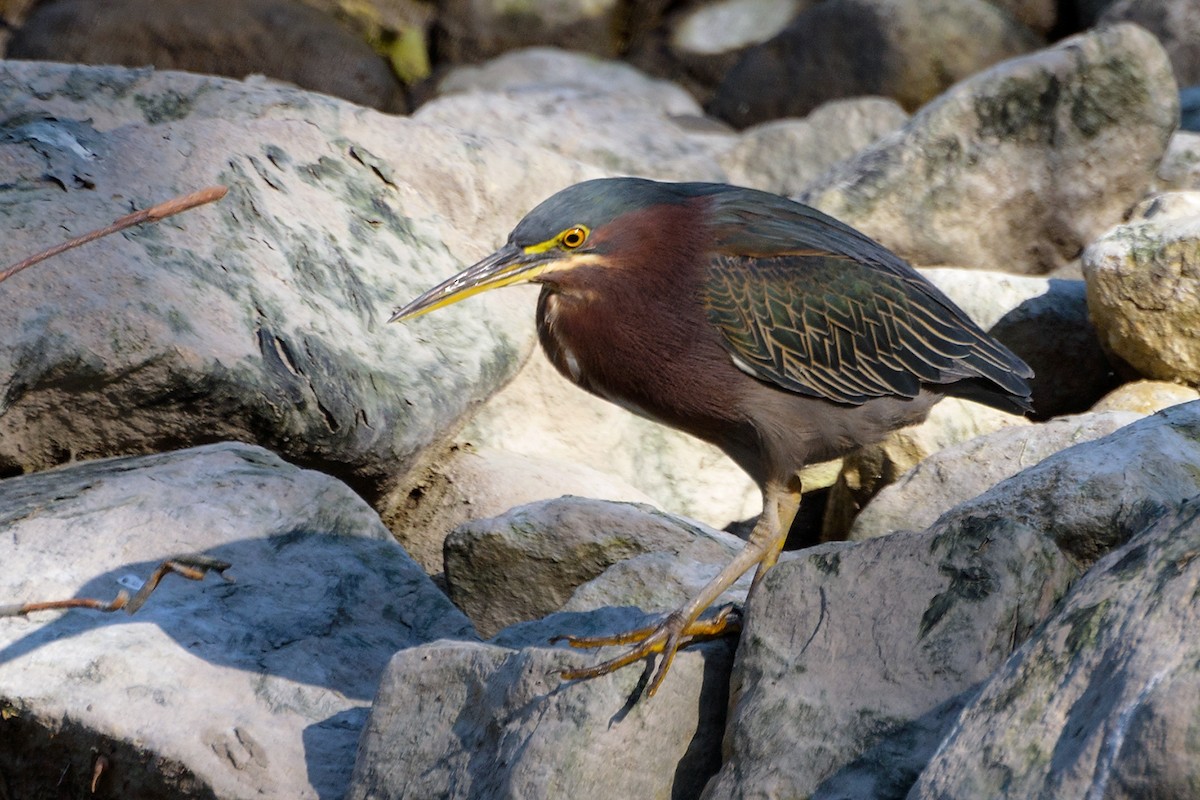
(573, 237)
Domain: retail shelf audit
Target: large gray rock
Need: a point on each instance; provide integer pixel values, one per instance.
(1000, 172)
(855, 656)
(458, 720)
(256, 688)
(615, 132)
(1103, 701)
(785, 156)
(469, 483)
(261, 318)
(849, 645)
(528, 562)
(1143, 282)
(958, 473)
(1092, 497)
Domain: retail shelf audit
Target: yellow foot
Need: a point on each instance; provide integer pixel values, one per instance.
(666, 637)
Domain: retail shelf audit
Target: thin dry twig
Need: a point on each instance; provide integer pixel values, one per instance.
(193, 567)
(170, 208)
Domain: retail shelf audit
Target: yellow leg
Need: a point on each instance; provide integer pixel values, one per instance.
(780, 504)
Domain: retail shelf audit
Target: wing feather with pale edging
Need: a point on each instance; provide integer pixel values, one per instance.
(817, 308)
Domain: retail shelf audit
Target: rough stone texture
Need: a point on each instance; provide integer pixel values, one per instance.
(1000, 171)
(460, 720)
(868, 470)
(540, 68)
(1146, 397)
(470, 483)
(528, 562)
(1143, 282)
(958, 473)
(256, 688)
(255, 318)
(1043, 320)
(866, 648)
(1180, 167)
(1094, 496)
(785, 156)
(910, 50)
(611, 131)
(1176, 23)
(278, 38)
(542, 414)
(1103, 701)
(848, 645)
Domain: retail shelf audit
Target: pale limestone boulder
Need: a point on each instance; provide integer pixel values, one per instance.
(613, 132)
(856, 657)
(529, 562)
(785, 156)
(468, 483)
(956, 474)
(461, 720)
(1146, 397)
(544, 415)
(999, 172)
(1103, 701)
(543, 68)
(1094, 496)
(262, 317)
(1180, 167)
(256, 688)
(848, 646)
(1143, 281)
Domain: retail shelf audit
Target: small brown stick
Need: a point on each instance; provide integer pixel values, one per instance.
(193, 567)
(175, 205)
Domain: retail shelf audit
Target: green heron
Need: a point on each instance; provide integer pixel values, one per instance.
(766, 327)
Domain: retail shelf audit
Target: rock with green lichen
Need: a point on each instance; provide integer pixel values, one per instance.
(1103, 700)
(263, 317)
(1143, 281)
(1003, 171)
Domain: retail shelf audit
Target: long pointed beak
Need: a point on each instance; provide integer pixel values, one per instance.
(508, 265)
